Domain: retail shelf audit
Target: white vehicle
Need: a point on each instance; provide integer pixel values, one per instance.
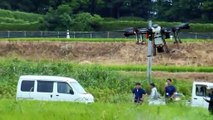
(200, 91)
(51, 88)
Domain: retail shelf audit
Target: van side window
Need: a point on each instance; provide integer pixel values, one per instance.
(45, 86)
(200, 90)
(27, 86)
(63, 87)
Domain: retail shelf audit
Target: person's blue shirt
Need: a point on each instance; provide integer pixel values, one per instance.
(170, 90)
(138, 93)
(210, 103)
(211, 97)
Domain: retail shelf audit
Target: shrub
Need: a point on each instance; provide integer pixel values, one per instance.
(87, 22)
(59, 19)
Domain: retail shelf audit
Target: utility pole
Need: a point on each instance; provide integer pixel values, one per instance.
(149, 53)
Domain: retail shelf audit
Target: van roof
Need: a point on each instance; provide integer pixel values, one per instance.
(208, 84)
(203, 82)
(46, 78)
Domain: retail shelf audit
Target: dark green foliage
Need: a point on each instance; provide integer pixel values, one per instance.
(58, 19)
(86, 22)
(167, 10)
(62, 18)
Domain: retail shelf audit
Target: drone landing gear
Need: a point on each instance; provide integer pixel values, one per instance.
(176, 37)
(140, 43)
(154, 50)
(160, 49)
(165, 46)
(140, 39)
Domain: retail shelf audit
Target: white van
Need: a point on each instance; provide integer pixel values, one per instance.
(51, 88)
(200, 90)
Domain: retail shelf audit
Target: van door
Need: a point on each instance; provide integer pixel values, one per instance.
(44, 90)
(200, 93)
(65, 92)
(26, 89)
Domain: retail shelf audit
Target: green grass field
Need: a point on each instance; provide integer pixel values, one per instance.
(110, 84)
(39, 110)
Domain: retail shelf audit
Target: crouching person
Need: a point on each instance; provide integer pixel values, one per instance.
(138, 93)
(154, 98)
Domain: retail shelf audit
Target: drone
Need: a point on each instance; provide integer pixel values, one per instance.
(157, 35)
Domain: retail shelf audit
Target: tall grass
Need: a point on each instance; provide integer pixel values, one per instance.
(34, 110)
(106, 85)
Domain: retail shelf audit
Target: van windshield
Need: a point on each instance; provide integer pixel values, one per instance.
(78, 87)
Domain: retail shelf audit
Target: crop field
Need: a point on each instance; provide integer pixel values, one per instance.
(106, 68)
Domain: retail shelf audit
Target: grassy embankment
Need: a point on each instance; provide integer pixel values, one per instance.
(16, 20)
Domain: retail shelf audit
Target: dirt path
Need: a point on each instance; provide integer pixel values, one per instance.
(194, 54)
(185, 75)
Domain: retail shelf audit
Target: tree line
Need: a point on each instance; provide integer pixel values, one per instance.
(65, 13)
(169, 10)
